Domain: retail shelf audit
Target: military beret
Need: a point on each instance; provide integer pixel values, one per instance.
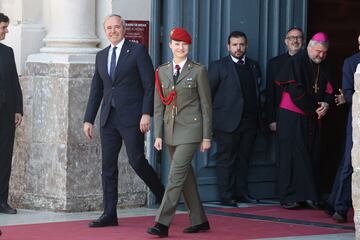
(180, 34)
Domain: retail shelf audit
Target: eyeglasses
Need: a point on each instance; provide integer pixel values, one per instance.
(293, 38)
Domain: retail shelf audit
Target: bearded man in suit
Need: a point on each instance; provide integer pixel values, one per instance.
(235, 82)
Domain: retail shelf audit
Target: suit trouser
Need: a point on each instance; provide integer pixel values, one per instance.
(112, 135)
(181, 180)
(340, 197)
(7, 136)
(233, 153)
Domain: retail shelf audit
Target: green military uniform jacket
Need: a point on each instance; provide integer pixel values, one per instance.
(192, 120)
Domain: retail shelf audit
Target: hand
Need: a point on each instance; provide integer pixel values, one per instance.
(205, 145)
(88, 130)
(339, 98)
(145, 123)
(322, 109)
(18, 119)
(158, 144)
(272, 126)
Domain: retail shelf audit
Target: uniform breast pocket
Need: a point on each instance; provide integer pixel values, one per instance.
(165, 87)
(190, 88)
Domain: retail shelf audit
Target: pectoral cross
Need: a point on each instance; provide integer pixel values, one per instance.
(316, 87)
(316, 80)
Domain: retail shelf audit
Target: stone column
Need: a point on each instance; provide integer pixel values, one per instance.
(72, 27)
(355, 153)
(55, 167)
(25, 30)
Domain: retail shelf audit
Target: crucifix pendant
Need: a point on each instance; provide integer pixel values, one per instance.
(316, 88)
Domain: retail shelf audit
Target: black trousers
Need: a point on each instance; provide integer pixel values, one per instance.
(112, 135)
(7, 136)
(232, 159)
(340, 197)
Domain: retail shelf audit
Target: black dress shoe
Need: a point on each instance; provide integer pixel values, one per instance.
(329, 210)
(5, 208)
(312, 204)
(339, 217)
(104, 221)
(198, 228)
(290, 205)
(228, 202)
(159, 229)
(247, 199)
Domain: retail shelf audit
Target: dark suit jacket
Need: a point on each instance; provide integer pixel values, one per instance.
(132, 89)
(228, 101)
(349, 69)
(10, 90)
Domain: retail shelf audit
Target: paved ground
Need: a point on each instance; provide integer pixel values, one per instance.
(31, 216)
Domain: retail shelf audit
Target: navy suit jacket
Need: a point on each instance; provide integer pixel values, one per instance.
(349, 69)
(10, 90)
(132, 90)
(228, 100)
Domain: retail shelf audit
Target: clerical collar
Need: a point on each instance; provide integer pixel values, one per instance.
(181, 64)
(235, 60)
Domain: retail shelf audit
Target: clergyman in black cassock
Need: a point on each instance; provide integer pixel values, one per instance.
(306, 97)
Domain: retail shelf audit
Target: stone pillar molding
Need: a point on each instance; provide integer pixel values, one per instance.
(55, 167)
(72, 27)
(355, 153)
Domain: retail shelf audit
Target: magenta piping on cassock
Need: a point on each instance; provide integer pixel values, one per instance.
(329, 89)
(288, 104)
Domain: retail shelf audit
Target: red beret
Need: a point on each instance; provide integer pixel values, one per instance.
(180, 34)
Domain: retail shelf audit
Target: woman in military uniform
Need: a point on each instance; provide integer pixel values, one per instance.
(182, 121)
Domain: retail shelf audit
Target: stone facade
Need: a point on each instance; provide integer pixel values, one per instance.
(55, 167)
(355, 153)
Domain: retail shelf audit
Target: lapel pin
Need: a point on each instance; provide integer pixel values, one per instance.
(128, 51)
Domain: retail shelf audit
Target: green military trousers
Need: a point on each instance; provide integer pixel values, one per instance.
(181, 180)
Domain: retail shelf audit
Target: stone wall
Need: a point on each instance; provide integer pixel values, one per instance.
(356, 152)
(55, 167)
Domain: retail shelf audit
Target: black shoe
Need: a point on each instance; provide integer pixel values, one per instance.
(247, 199)
(312, 204)
(228, 202)
(104, 221)
(198, 228)
(329, 210)
(339, 217)
(159, 229)
(5, 208)
(290, 205)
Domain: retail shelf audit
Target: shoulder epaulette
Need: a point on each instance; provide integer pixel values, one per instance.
(196, 63)
(164, 64)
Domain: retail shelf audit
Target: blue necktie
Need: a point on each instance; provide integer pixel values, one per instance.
(113, 63)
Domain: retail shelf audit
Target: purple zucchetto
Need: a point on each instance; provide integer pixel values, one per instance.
(320, 37)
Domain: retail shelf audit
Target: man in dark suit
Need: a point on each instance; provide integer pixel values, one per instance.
(235, 87)
(124, 82)
(340, 198)
(11, 111)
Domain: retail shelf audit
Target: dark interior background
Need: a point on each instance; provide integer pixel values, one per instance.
(340, 20)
